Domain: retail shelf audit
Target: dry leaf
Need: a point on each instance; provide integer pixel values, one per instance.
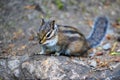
(114, 46)
(22, 47)
(31, 38)
(116, 25)
(18, 34)
(30, 7)
(11, 45)
(116, 59)
(90, 23)
(7, 50)
(103, 64)
(98, 60)
(106, 4)
(99, 53)
(108, 36)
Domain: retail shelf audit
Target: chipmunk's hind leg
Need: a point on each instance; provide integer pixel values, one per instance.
(74, 48)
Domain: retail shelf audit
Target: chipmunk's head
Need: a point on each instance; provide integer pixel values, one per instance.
(47, 33)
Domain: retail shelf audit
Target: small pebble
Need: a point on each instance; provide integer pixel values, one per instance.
(99, 53)
(118, 39)
(109, 37)
(93, 63)
(107, 46)
(118, 50)
(117, 59)
(16, 72)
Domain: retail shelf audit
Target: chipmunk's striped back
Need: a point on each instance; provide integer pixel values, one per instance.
(74, 41)
(69, 31)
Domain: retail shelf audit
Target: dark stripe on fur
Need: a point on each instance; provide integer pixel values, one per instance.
(70, 31)
(72, 39)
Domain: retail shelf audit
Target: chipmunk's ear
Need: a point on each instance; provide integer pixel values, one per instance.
(42, 21)
(52, 24)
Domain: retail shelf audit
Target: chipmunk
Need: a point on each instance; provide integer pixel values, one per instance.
(67, 40)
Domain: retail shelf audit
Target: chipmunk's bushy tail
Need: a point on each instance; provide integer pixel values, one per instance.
(99, 31)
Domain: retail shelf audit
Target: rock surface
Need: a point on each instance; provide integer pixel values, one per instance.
(53, 68)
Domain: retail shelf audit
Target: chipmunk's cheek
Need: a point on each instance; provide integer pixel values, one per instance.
(51, 42)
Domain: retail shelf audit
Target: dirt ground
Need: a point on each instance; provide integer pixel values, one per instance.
(20, 21)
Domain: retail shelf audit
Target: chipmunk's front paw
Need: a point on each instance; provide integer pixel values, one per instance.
(41, 52)
(57, 54)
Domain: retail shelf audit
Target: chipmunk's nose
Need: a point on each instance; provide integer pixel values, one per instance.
(40, 42)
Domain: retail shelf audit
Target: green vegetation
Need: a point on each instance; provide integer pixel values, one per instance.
(118, 20)
(0, 78)
(59, 4)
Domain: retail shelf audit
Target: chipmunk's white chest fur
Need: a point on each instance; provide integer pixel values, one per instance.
(51, 42)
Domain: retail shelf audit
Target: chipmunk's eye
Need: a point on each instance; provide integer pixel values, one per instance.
(48, 35)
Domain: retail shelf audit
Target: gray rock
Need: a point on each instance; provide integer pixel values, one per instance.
(30, 67)
(16, 72)
(115, 74)
(52, 68)
(24, 57)
(107, 46)
(3, 62)
(93, 63)
(13, 64)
